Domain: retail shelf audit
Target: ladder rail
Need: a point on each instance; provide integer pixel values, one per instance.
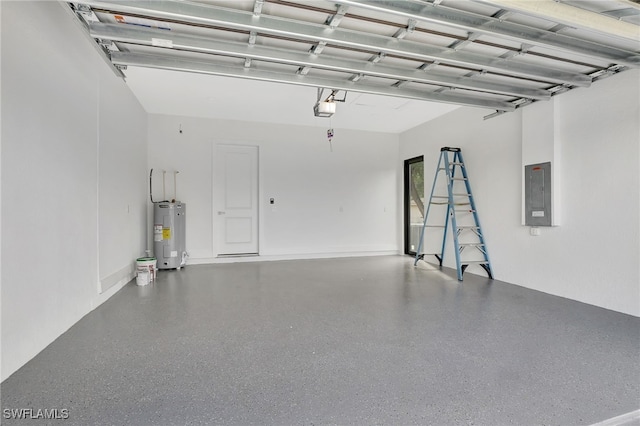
(451, 174)
(446, 216)
(426, 215)
(476, 218)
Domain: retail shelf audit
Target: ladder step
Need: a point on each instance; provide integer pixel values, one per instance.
(465, 210)
(459, 179)
(470, 244)
(434, 226)
(429, 254)
(474, 262)
(468, 227)
(461, 195)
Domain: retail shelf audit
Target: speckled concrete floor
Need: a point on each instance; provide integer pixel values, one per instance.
(343, 341)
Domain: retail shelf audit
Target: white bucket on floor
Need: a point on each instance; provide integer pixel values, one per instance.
(148, 265)
(143, 278)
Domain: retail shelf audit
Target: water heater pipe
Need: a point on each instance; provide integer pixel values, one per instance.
(164, 192)
(175, 187)
(150, 186)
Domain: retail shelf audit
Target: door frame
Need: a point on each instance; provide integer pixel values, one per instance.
(406, 199)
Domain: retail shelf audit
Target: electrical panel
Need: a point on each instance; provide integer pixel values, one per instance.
(537, 194)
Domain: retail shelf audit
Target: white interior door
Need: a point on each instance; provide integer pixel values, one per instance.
(236, 199)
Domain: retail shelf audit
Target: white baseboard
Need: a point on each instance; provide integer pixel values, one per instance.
(119, 278)
(276, 257)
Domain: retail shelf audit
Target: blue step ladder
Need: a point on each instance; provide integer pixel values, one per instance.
(460, 212)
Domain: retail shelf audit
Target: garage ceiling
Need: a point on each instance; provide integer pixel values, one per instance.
(407, 60)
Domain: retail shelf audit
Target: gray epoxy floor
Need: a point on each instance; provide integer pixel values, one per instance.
(341, 341)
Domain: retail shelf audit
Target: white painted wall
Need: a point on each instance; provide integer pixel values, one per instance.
(0, 195)
(593, 256)
(326, 203)
(73, 139)
(122, 180)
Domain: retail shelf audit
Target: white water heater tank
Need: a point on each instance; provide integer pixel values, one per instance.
(169, 226)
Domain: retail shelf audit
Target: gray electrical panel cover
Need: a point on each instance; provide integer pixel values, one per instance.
(169, 226)
(537, 194)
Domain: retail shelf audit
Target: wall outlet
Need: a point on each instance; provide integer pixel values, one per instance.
(535, 231)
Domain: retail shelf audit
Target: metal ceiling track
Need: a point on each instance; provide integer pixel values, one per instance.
(176, 63)
(211, 15)
(459, 39)
(155, 37)
(608, 22)
(467, 21)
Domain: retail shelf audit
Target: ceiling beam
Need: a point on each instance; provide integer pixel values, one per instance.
(573, 16)
(155, 37)
(211, 15)
(618, 14)
(467, 21)
(175, 63)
